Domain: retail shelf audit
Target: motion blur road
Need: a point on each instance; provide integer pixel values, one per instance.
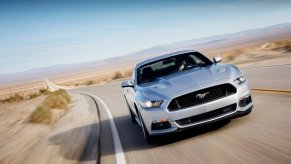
(264, 136)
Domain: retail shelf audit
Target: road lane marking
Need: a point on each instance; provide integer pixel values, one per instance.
(272, 91)
(119, 154)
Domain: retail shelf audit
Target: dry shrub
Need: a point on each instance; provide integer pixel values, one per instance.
(232, 54)
(90, 82)
(17, 97)
(127, 73)
(116, 75)
(44, 91)
(41, 114)
(287, 48)
(282, 45)
(14, 98)
(33, 95)
(230, 57)
(57, 100)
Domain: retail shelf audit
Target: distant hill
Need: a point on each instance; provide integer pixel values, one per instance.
(229, 36)
(202, 44)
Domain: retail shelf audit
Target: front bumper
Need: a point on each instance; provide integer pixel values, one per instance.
(231, 116)
(161, 114)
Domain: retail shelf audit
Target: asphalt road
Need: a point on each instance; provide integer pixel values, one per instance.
(264, 136)
(270, 77)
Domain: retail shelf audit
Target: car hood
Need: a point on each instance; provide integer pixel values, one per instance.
(188, 79)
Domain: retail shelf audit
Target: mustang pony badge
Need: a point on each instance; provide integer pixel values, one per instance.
(202, 95)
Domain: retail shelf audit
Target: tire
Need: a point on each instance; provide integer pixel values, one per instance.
(147, 137)
(133, 120)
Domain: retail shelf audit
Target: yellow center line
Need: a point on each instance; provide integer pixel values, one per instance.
(272, 91)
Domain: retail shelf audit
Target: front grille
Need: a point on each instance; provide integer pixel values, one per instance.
(201, 96)
(207, 115)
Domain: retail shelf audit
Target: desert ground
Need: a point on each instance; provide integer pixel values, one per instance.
(25, 142)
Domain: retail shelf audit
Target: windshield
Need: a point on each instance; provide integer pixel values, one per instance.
(170, 65)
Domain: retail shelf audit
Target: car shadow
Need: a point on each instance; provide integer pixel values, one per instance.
(81, 143)
(132, 137)
(130, 134)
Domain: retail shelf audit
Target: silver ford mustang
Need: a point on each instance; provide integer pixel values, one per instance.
(184, 89)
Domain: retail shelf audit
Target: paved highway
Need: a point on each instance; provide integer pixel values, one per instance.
(264, 136)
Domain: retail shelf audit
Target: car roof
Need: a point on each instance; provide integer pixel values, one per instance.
(162, 57)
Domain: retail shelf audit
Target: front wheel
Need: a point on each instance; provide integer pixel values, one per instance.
(132, 115)
(130, 111)
(147, 137)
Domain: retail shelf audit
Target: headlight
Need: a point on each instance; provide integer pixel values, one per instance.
(240, 80)
(151, 104)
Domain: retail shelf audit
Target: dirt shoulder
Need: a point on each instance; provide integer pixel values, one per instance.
(63, 141)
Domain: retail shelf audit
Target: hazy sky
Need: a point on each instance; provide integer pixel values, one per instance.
(42, 33)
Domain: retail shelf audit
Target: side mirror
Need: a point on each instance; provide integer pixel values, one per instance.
(126, 84)
(217, 59)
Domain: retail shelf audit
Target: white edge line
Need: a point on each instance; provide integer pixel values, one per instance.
(119, 154)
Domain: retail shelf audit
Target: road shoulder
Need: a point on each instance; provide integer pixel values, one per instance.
(71, 139)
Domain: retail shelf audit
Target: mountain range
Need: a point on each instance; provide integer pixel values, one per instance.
(202, 44)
